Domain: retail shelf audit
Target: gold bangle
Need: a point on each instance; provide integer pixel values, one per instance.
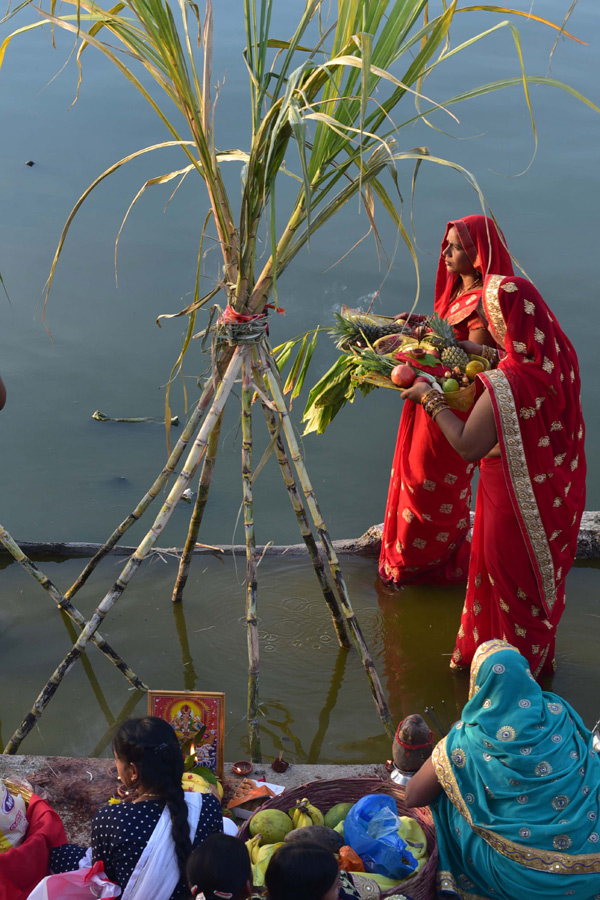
(491, 354)
(433, 403)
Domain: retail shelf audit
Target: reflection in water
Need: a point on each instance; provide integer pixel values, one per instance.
(314, 754)
(190, 679)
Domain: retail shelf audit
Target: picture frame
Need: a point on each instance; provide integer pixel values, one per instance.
(186, 712)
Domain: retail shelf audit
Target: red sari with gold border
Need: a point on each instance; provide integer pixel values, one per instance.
(426, 526)
(530, 500)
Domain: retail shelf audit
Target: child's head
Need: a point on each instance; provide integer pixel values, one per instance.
(302, 871)
(220, 869)
(148, 755)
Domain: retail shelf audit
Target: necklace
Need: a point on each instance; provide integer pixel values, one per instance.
(465, 290)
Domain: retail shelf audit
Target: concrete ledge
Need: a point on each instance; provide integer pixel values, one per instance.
(76, 788)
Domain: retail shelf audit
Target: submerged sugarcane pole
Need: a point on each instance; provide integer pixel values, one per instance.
(196, 520)
(136, 560)
(186, 435)
(67, 607)
(251, 586)
(272, 379)
(306, 531)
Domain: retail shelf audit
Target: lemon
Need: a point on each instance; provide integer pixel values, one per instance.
(474, 367)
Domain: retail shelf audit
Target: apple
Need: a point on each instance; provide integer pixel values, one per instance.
(403, 376)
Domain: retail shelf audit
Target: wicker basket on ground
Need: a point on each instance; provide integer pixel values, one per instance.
(325, 794)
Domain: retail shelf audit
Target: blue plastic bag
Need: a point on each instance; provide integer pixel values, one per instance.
(371, 829)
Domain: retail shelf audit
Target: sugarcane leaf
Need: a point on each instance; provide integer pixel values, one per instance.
(291, 379)
(302, 374)
(283, 353)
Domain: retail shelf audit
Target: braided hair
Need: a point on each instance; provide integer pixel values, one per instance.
(220, 868)
(152, 745)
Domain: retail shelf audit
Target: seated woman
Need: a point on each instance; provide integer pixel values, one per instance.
(514, 789)
(145, 842)
(220, 869)
(527, 430)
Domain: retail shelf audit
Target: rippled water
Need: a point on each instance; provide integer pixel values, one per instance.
(314, 696)
(67, 477)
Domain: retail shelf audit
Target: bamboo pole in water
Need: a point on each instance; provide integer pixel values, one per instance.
(196, 520)
(136, 560)
(306, 531)
(251, 574)
(67, 607)
(273, 382)
(185, 437)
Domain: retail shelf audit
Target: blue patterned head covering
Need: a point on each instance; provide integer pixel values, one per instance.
(520, 769)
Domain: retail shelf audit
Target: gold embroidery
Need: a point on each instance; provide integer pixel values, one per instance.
(527, 412)
(419, 543)
(442, 536)
(574, 463)
(567, 488)
(399, 546)
(478, 581)
(407, 514)
(504, 605)
(429, 485)
(461, 632)
(520, 631)
(476, 634)
(521, 594)
(572, 374)
(492, 582)
(539, 401)
(410, 488)
(539, 336)
(555, 534)
(510, 287)
(562, 549)
(535, 649)
(476, 607)
(548, 365)
(544, 441)
(450, 479)
(559, 459)
(580, 432)
(521, 480)
(556, 426)
(464, 493)
(493, 312)
(426, 517)
(557, 502)
(559, 573)
(446, 508)
(535, 611)
(462, 523)
(519, 347)
(540, 478)
(529, 307)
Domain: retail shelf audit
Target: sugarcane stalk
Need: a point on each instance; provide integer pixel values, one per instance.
(186, 435)
(331, 600)
(136, 559)
(189, 673)
(251, 573)
(192, 536)
(273, 382)
(66, 606)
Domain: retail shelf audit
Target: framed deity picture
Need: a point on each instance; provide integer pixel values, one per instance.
(189, 712)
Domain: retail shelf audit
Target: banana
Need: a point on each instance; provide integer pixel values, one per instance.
(317, 817)
(253, 847)
(301, 816)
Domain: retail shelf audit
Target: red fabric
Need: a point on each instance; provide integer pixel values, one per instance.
(539, 480)
(426, 525)
(24, 866)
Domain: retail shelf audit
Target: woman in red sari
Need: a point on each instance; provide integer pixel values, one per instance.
(426, 525)
(527, 429)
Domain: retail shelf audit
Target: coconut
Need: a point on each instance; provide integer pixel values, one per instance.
(273, 824)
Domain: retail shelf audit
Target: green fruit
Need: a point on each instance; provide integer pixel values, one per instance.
(340, 828)
(273, 824)
(450, 385)
(337, 814)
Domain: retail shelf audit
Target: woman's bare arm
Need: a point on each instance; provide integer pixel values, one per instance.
(423, 788)
(2, 394)
(472, 439)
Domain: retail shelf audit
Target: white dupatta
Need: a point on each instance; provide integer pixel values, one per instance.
(157, 873)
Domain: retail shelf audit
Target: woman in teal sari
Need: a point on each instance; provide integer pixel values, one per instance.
(516, 785)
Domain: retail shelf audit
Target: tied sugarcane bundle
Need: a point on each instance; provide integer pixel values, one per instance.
(338, 386)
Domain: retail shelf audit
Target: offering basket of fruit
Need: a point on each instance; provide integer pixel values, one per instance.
(324, 795)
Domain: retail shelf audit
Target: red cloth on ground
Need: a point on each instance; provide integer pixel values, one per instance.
(530, 501)
(426, 524)
(23, 867)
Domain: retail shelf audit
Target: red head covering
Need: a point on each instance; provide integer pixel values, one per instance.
(485, 246)
(535, 397)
